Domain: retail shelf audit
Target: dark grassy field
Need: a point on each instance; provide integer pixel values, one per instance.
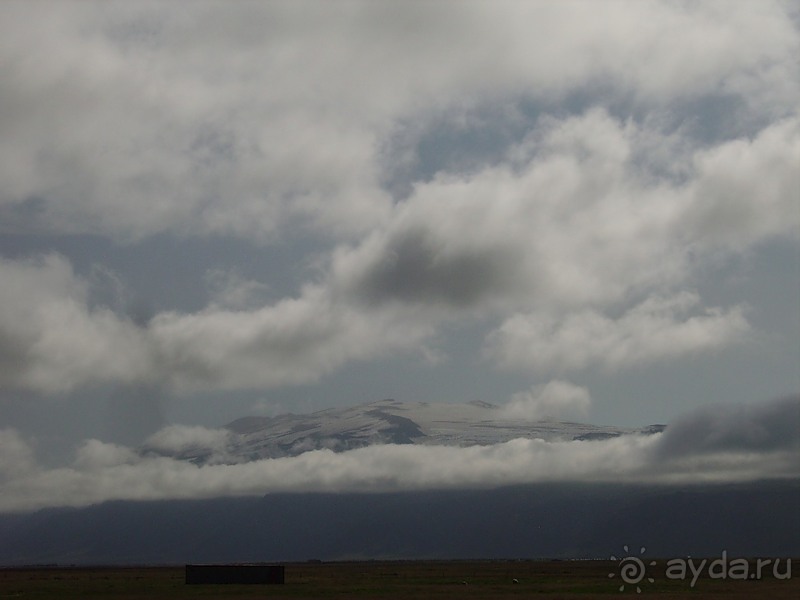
(392, 579)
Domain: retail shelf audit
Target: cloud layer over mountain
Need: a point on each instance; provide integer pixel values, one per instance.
(726, 445)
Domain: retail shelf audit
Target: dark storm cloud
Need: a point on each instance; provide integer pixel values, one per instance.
(772, 426)
(415, 267)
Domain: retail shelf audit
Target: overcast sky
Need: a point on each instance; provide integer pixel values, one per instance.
(215, 209)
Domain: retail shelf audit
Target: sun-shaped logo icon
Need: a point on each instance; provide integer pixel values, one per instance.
(632, 569)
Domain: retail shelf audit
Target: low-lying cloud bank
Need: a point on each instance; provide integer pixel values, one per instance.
(711, 445)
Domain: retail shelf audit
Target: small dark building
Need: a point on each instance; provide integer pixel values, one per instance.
(247, 574)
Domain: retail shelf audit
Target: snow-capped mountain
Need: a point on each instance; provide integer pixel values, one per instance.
(383, 422)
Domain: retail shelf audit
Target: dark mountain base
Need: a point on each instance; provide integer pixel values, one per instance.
(534, 521)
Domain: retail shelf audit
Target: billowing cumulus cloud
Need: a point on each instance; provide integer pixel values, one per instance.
(53, 341)
(749, 444)
(746, 189)
(555, 242)
(294, 341)
(567, 221)
(574, 219)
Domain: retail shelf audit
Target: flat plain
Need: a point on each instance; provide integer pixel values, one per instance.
(496, 579)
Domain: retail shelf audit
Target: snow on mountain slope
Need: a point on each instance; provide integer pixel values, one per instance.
(385, 422)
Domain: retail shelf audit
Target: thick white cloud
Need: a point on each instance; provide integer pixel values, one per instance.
(134, 119)
(657, 329)
(51, 341)
(293, 341)
(94, 455)
(577, 217)
(562, 243)
(746, 190)
(566, 222)
(733, 445)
